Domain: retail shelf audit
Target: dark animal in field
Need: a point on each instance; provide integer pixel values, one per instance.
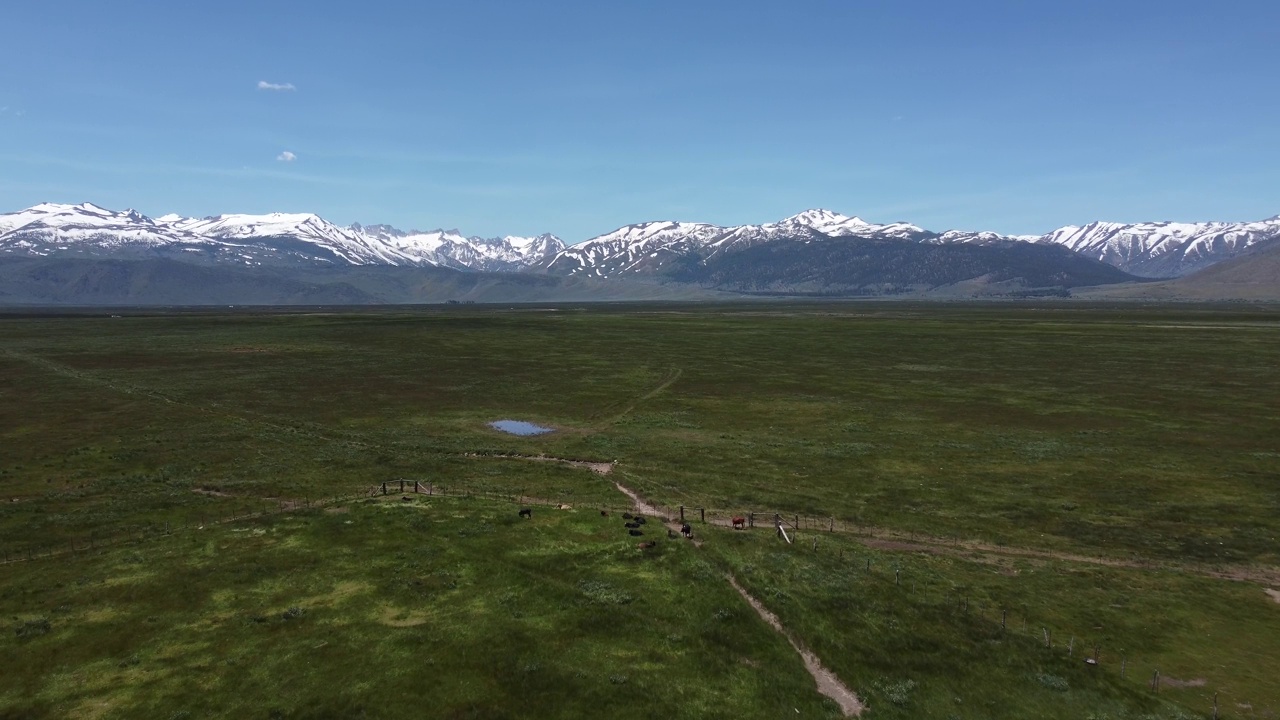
(626, 516)
(647, 545)
(636, 533)
(406, 498)
(526, 512)
(604, 513)
(688, 531)
(739, 523)
(631, 525)
(640, 519)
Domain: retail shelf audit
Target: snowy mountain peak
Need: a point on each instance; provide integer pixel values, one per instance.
(818, 217)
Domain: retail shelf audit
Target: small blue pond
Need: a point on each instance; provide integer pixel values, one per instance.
(519, 427)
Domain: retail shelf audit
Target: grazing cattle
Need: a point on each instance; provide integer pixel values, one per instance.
(626, 516)
(739, 523)
(640, 519)
(631, 525)
(406, 498)
(688, 531)
(647, 545)
(604, 513)
(526, 512)
(636, 533)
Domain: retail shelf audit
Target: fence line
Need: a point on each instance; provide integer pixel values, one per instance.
(813, 526)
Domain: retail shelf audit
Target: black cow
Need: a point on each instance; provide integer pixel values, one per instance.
(526, 512)
(636, 533)
(604, 513)
(631, 525)
(626, 516)
(688, 531)
(640, 519)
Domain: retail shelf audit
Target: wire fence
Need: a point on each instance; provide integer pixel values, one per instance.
(803, 530)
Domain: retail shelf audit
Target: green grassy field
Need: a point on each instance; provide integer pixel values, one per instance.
(1142, 437)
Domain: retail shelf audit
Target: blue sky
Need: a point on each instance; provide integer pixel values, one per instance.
(578, 117)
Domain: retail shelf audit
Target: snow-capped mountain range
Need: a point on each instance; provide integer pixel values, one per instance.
(272, 239)
(1155, 249)
(647, 247)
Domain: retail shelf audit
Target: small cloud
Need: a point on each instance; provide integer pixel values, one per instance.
(278, 87)
(286, 156)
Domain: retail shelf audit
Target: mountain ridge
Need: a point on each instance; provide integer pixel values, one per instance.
(1150, 249)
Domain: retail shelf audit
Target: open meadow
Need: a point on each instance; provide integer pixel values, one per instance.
(981, 498)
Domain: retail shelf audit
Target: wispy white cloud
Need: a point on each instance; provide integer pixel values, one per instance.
(278, 87)
(286, 156)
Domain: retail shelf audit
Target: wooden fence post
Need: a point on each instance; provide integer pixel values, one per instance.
(751, 519)
(681, 513)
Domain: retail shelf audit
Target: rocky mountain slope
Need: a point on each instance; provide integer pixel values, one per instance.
(161, 281)
(1165, 249)
(882, 266)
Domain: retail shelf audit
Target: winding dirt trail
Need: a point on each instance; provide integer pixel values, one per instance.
(667, 381)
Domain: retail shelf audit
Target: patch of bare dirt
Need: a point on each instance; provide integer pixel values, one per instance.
(600, 468)
(1274, 594)
(1174, 682)
(828, 683)
(210, 492)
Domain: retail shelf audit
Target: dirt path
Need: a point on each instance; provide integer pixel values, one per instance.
(671, 377)
(1273, 594)
(600, 468)
(209, 409)
(977, 551)
(828, 683)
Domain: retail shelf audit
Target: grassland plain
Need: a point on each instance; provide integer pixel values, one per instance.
(1133, 434)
